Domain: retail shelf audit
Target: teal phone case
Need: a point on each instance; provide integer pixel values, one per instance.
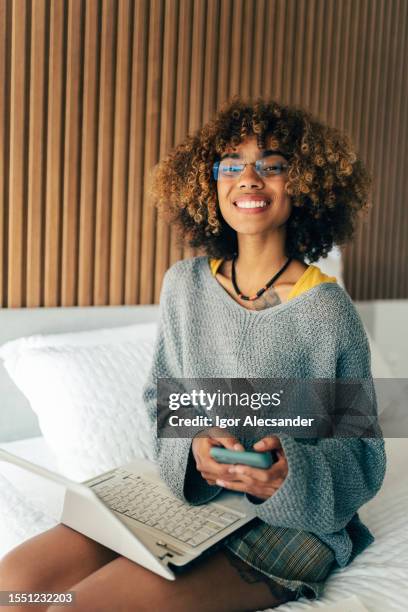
(258, 460)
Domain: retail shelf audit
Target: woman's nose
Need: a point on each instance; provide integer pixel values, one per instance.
(249, 177)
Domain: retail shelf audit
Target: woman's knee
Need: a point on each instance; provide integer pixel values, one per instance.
(54, 559)
(32, 565)
(16, 573)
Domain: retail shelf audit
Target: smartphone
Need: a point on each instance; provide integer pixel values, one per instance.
(258, 460)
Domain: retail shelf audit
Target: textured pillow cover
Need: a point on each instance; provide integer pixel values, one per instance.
(11, 350)
(88, 400)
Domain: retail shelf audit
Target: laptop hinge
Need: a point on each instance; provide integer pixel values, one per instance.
(169, 547)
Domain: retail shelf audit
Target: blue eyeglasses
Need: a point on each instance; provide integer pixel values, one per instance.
(232, 169)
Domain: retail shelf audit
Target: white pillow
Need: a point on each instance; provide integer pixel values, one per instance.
(332, 265)
(138, 331)
(388, 395)
(379, 366)
(88, 400)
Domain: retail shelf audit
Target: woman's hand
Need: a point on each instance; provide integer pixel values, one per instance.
(209, 468)
(258, 482)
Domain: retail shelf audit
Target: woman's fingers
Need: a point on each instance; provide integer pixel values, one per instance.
(225, 438)
(273, 474)
(248, 474)
(251, 489)
(214, 474)
(251, 483)
(268, 443)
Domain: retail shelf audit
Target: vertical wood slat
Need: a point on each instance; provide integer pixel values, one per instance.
(18, 169)
(259, 33)
(72, 154)
(308, 67)
(3, 150)
(105, 153)
(55, 160)
(246, 51)
(120, 154)
(210, 59)
(344, 59)
(86, 239)
(401, 247)
(278, 61)
(298, 54)
(316, 56)
(95, 92)
(390, 276)
(236, 46)
(333, 90)
(224, 52)
(137, 125)
(326, 82)
(347, 93)
(36, 152)
(267, 50)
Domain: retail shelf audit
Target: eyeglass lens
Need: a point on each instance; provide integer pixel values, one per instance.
(268, 167)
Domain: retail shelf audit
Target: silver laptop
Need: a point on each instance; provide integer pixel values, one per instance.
(131, 511)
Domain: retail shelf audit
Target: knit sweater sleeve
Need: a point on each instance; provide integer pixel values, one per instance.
(174, 456)
(330, 479)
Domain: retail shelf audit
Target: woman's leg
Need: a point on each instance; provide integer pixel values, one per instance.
(51, 561)
(213, 584)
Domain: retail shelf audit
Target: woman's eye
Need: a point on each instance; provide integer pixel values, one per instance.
(232, 168)
(274, 168)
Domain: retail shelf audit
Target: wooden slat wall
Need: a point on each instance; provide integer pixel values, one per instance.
(94, 92)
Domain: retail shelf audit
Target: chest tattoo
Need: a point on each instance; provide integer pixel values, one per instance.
(267, 300)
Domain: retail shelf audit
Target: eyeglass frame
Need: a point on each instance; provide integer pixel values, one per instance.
(216, 165)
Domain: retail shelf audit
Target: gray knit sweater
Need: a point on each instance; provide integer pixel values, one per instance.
(203, 332)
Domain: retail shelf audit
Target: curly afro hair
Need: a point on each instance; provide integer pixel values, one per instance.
(328, 183)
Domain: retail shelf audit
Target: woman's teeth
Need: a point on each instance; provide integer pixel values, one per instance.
(251, 204)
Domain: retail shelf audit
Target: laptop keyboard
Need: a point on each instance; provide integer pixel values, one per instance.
(147, 502)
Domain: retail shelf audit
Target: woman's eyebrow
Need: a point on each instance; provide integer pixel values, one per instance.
(264, 154)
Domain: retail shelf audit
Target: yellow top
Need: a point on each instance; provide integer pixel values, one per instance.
(311, 277)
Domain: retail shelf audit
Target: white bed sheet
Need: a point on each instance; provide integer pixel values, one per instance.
(378, 578)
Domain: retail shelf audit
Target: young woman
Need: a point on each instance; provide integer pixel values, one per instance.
(260, 188)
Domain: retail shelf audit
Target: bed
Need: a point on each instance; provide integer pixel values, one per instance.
(376, 581)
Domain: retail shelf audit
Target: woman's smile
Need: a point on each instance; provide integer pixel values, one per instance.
(252, 204)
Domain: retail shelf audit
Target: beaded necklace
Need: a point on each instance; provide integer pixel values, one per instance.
(261, 291)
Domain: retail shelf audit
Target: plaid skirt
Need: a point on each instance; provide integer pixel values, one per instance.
(296, 560)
